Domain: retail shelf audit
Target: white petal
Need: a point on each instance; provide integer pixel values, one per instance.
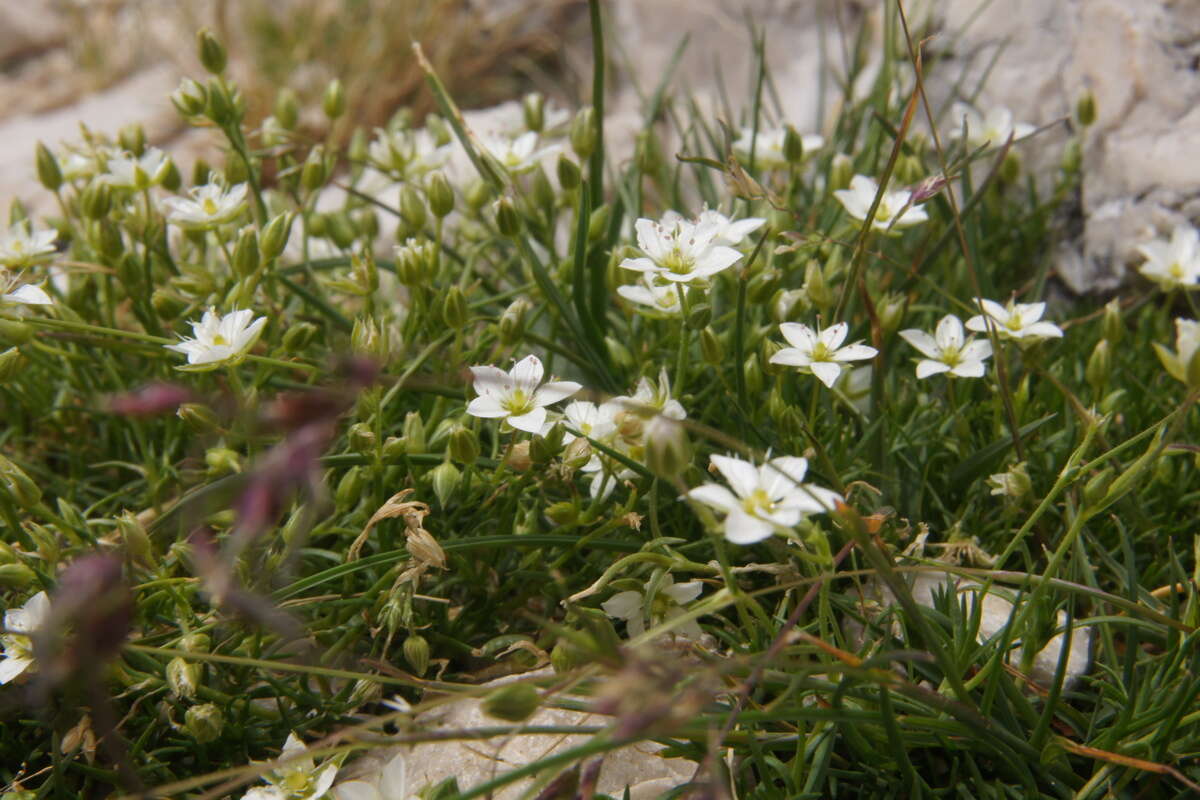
(741, 475)
(640, 265)
(799, 335)
(715, 495)
(1043, 330)
(978, 324)
(922, 341)
(684, 592)
(358, 790)
(855, 352)
(782, 475)
(741, 528)
(929, 367)
(486, 407)
(394, 780)
(324, 780)
(949, 333)
(30, 295)
(491, 381)
(792, 357)
(527, 373)
(832, 337)
(531, 422)
(623, 605)
(13, 666)
(977, 350)
(555, 391)
(826, 371)
(969, 369)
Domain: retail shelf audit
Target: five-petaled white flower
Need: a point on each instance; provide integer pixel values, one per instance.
(681, 251)
(138, 172)
(516, 155)
(993, 129)
(730, 232)
(209, 206)
(407, 154)
(1173, 264)
(666, 604)
(22, 247)
(11, 291)
(298, 778)
(1187, 343)
(220, 340)
(518, 396)
(765, 498)
(768, 146)
(947, 350)
(1018, 321)
(820, 353)
(19, 624)
(652, 293)
(390, 784)
(895, 208)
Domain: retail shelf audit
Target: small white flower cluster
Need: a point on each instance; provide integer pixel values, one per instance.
(22, 247)
(680, 250)
(220, 341)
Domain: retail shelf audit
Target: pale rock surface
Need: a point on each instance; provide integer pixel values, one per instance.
(472, 762)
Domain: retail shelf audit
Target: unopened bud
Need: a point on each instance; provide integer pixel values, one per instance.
(583, 133)
(668, 452)
(362, 439)
(563, 512)
(454, 308)
(793, 145)
(890, 308)
(349, 489)
(416, 653)
(183, 677)
(598, 223)
(96, 199)
(1114, 328)
(841, 169)
(136, 540)
(1085, 108)
(334, 101)
(565, 656)
(132, 138)
(414, 433)
(543, 192)
(19, 485)
(48, 171)
(15, 332)
(314, 174)
(12, 364)
(518, 459)
(412, 208)
(508, 221)
(513, 702)
(212, 54)
(568, 172)
(275, 236)
(440, 194)
(204, 722)
(190, 99)
(198, 418)
(464, 445)
(818, 291)
(222, 461)
(710, 347)
(533, 109)
(512, 321)
(1099, 366)
(445, 478)
(245, 252)
(16, 575)
(647, 153)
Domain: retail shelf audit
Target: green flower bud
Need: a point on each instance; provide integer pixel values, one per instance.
(477, 194)
(1085, 108)
(583, 133)
(370, 338)
(543, 192)
(222, 461)
(201, 172)
(464, 445)
(533, 109)
(183, 677)
(16, 575)
(710, 347)
(512, 321)
(793, 145)
(204, 722)
(275, 236)
(508, 221)
(221, 107)
(1113, 327)
(198, 418)
(349, 489)
(568, 173)
(598, 223)
(841, 170)
(440, 194)
(170, 178)
(190, 99)
(513, 702)
(132, 137)
(245, 253)
(891, 308)
(754, 375)
(334, 101)
(1097, 486)
(1010, 169)
(563, 512)
(314, 173)
(818, 291)
(1072, 156)
(414, 433)
(454, 308)
(668, 452)
(565, 656)
(518, 457)
(544, 449)
(48, 171)
(1099, 366)
(136, 540)
(362, 438)
(647, 153)
(14, 331)
(287, 109)
(446, 478)
(96, 200)
(19, 485)
(212, 54)
(416, 653)
(619, 353)
(698, 316)
(412, 208)
(763, 285)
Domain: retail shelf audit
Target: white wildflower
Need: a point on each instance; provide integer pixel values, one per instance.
(21, 246)
(518, 396)
(768, 146)
(948, 351)
(138, 172)
(894, 211)
(210, 205)
(993, 129)
(1173, 264)
(666, 604)
(298, 778)
(653, 294)
(220, 340)
(820, 353)
(517, 155)
(390, 784)
(1017, 321)
(12, 291)
(729, 232)
(680, 251)
(20, 624)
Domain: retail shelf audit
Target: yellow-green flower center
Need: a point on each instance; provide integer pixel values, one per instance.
(518, 402)
(821, 352)
(220, 340)
(210, 206)
(758, 501)
(677, 262)
(1014, 322)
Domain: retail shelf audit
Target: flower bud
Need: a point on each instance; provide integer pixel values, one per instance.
(221, 107)
(815, 287)
(12, 364)
(96, 199)
(1097, 487)
(1013, 484)
(16, 575)
(568, 173)
(14, 331)
(464, 445)
(543, 192)
(212, 54)
(314, 174)
(287, 108)
(190, 99)
(136, 540)
(753, 373)
(763, 285)
(183, 677)
(412, 208)
(668, 452)
(477, 194)
(841, 169)
(619, 353)
(349, 489)
(512, 321)
(517, 458)
(793, 145)
(698, 316)
(565, 656)
(1085, 108)
(132, 138)
(577, 453)
(275, 236)
(19, 485)
(362, 439)
(48, 171)
(370, 338)
(710, 347)
(198, 418)
(891, 308)
(1010, 168)
(440, 194)
(222, 461)
(1113, 327)
(543, 449)
(204, 722)
(334, 101)
(647, 152)
(1072, 156)
(414, 433)
(512, 702)
(416, 653)
(245, 252)
(533, 109)
(454, 308)
(446, 478)
(598, 223)
(1099, 366)
(583, 133)
(563, 512)
(508, 221)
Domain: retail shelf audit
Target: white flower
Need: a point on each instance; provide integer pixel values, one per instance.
(22, 247)
(12, 292)
(211, 205)
(946, 350)
(516, 155)
(768, 146)
(1018, 321)
(390, 784)
(650, 398)
(298, 778)
(593, 422)
(220, 340)
(518, 396)
(18, 646)
(138, 172)
(666, 604)
(820, 353)
(649, 292)
(764, 498)
(729, 232)
(1173, 264)
(1013, 484)
(407, 154)
(993, 129)
(892, 211)
(1187, 343)
(679, 250)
